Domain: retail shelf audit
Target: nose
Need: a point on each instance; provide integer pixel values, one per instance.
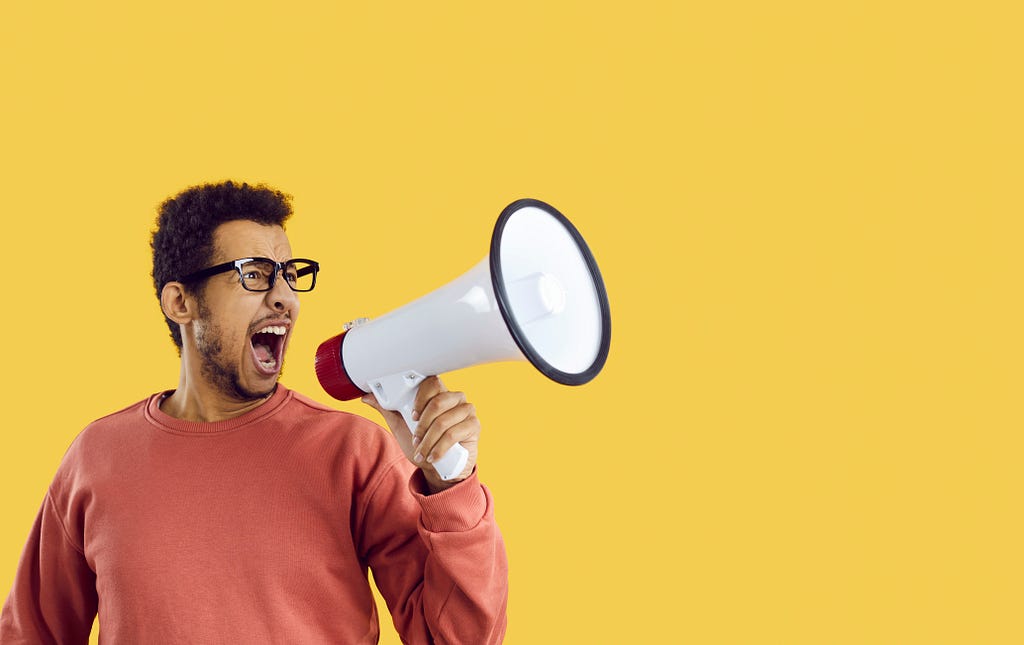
(281, 298)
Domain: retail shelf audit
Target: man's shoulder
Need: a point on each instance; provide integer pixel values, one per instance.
(98, 440)
(300, 399)
(354, 434)
(299, 403)
(129, 412)
(128, 416)
(308, 409)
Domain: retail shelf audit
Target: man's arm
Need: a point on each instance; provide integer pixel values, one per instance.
(435, 549)
(53, 599)
(438, 559)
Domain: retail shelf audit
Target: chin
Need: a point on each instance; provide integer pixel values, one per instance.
(255, 392)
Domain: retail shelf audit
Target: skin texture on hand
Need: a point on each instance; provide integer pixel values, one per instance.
(444, 419)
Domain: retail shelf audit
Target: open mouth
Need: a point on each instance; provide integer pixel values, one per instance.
(267, 346)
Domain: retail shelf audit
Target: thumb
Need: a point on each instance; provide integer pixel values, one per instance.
(371, 401)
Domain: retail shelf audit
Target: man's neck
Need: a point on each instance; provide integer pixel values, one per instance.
(191, 403)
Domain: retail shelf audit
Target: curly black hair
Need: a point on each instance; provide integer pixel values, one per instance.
(183, 240)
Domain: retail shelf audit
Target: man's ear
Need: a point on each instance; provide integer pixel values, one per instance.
(178, 304)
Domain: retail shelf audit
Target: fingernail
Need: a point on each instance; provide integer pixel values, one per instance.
(417, 457)
(415, 415)
(365, 399)
(430, 458)
(415, 441)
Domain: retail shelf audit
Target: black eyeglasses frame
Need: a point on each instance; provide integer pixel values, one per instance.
(237, 265)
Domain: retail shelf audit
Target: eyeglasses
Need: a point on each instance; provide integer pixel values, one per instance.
(259, 274)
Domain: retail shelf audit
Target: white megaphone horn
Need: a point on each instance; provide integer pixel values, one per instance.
(537, 297)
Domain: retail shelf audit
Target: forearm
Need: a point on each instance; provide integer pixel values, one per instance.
(468, 561)
(447, 582)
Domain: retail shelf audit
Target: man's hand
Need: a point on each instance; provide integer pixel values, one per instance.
(444, 418)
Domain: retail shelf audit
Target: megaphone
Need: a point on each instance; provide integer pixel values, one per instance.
(538, 297)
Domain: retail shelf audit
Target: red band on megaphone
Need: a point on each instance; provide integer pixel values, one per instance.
(330, 371)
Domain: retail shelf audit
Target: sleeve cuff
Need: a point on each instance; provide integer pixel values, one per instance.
(459, 508)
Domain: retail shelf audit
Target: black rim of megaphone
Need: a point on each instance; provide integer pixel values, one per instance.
(546, 368)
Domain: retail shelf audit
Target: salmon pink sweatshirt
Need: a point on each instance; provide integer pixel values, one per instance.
(257, 529)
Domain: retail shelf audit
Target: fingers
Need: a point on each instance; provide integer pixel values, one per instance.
(467, 430)
(435, 407)
(428, 389)
(446, 420)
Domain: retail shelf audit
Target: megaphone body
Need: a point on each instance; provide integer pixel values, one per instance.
(538, 297)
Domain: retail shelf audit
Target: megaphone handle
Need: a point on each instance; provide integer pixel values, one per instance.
(453, 462)
(398, 393)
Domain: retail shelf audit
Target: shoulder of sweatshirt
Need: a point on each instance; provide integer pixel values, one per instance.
(100, 430)
(89, 447)
(310, 411)
(366, 449)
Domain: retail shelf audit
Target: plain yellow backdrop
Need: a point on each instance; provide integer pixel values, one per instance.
(808, 216)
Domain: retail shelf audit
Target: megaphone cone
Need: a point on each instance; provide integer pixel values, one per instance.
(538, 296)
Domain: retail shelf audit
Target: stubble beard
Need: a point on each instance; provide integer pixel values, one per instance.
(220, 372)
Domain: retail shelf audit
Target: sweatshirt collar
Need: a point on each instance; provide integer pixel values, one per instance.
(166, 422)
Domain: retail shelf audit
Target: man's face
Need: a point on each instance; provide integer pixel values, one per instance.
(238, 332)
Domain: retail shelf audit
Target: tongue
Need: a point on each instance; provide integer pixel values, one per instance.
(263, 352)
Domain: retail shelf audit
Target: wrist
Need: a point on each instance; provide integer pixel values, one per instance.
(434, 483)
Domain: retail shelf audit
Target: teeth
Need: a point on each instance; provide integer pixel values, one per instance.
(270, 329)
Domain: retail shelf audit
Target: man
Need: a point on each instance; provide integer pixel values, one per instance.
(233, 510)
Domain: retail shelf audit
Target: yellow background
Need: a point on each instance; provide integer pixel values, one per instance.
(808, 216)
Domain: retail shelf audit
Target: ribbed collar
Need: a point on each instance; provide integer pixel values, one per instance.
(166, 422)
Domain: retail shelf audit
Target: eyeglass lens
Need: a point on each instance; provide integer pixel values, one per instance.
(256, 275)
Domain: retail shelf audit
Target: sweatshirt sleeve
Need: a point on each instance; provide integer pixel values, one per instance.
(53, 599)
(438, 560)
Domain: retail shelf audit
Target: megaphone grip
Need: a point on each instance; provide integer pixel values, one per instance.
(397, 392)
(453, 463)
